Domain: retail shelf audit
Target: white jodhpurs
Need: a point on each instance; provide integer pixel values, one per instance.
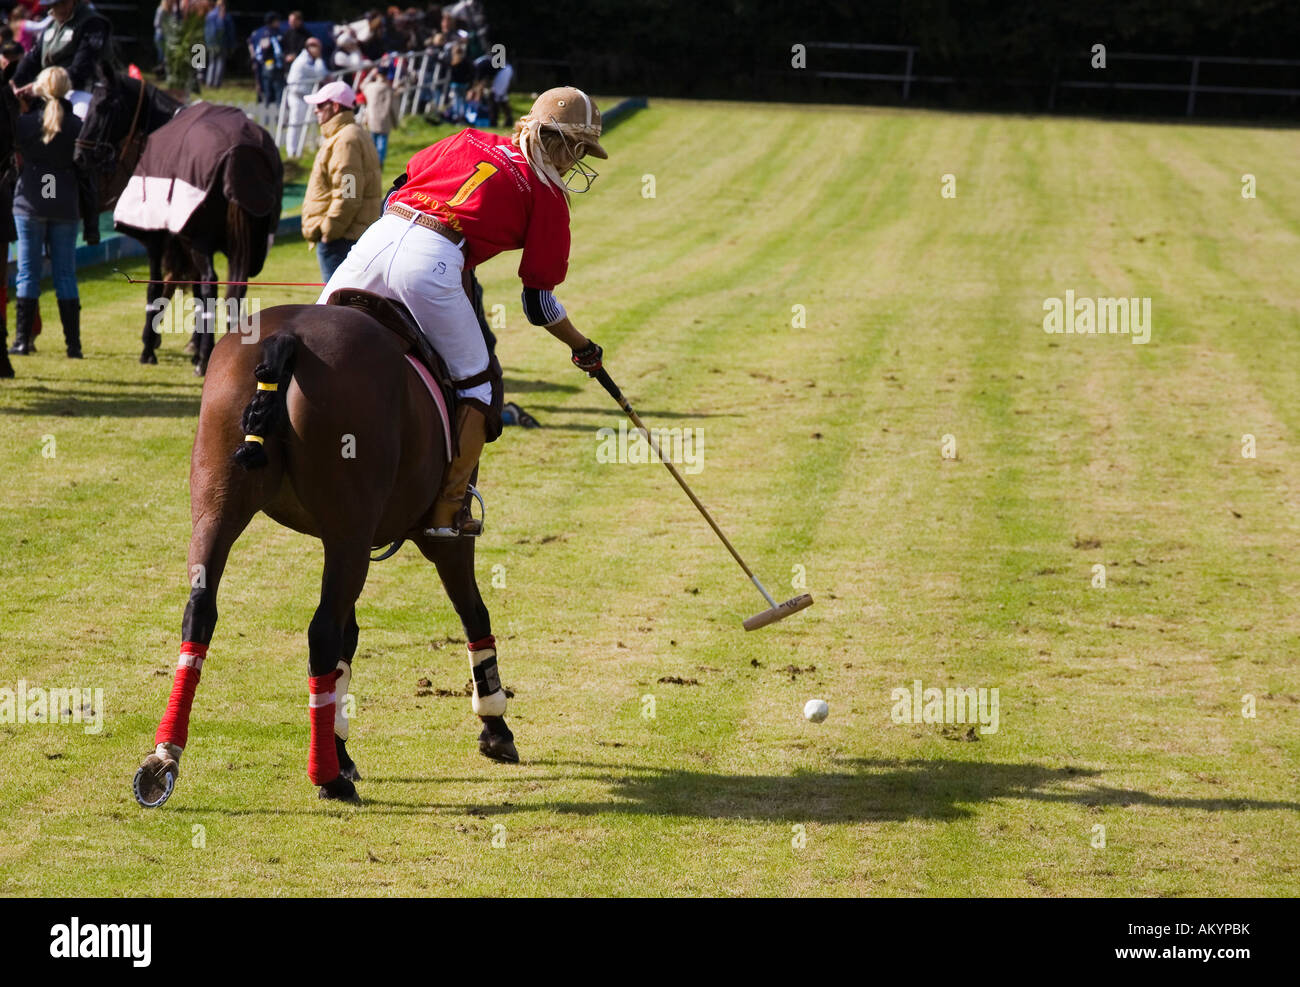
(422, 270)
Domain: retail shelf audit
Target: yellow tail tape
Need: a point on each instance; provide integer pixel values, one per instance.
(267, 387)
(255, 438)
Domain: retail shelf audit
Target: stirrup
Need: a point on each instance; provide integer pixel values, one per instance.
(467, 525)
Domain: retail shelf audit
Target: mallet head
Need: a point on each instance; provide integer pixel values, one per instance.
(778, 612)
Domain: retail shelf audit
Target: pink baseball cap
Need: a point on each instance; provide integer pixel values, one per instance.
(333, 92)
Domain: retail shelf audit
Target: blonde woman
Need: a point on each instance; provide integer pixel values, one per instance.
(462, 201)
(50, 197)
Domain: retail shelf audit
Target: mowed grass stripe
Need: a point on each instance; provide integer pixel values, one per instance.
(922, 313)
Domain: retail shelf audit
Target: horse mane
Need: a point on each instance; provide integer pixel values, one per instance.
(159, 105)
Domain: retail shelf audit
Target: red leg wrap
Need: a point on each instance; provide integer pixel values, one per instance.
(175, 725)
(487, 642)
(323, 757)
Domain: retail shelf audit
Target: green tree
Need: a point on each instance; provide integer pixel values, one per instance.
(179, 39)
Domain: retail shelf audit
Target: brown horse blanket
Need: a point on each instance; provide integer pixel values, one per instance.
(184, 160)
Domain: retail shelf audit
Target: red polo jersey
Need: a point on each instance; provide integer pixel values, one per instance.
(482, 186)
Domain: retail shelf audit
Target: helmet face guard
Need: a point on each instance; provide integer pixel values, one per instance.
(580, 175)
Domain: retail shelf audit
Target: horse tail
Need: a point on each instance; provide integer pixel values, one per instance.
(247, 239)
(265, 411)
(239, 244)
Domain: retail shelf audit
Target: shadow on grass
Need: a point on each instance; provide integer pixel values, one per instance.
(866, 790)
(187, 382)
(145, 403)
(877, 790)
(512, 385)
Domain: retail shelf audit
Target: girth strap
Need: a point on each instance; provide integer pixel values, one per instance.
(484, 377)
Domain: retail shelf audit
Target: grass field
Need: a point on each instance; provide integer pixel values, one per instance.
(1120, 707)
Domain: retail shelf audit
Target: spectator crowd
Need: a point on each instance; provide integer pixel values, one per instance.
(50, 52)
(343, 74)
(290, 53)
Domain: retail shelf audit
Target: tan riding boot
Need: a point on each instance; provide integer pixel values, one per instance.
(449, 518)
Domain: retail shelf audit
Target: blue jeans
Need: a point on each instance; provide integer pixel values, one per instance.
(381, 145)
(272, 86)
(458, 90)
(332, 254)
(60, 235)
(216, 74)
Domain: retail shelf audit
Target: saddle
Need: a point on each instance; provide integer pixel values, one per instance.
(396, 317)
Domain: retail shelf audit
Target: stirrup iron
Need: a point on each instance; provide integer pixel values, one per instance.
(456, 532)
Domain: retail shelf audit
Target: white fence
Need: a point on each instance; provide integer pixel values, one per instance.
(1194, 84)
(421, 84)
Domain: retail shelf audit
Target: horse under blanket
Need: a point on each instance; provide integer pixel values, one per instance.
(185, 158)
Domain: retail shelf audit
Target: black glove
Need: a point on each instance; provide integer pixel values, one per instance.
(587, 359)
(90, 232)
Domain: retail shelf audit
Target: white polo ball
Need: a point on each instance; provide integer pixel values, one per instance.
(816, 710)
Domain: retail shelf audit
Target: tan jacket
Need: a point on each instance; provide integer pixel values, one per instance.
(345, 189)
(380, 106)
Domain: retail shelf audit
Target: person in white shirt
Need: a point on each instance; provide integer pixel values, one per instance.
(349, 56)
(305, 73)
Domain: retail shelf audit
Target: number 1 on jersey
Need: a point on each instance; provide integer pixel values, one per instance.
(482, 172)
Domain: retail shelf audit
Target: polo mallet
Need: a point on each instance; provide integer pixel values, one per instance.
(775, 611)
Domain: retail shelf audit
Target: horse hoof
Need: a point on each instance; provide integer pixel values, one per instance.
(200, 370)
(347, 766)
(340, 789)
(148, 357)
(155, 781)
(496, 741)
(498, 749)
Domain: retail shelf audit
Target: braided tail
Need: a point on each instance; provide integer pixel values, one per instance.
(263, 413)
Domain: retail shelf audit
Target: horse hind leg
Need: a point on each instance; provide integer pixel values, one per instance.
(346, 565)
(347, 766)
(223, 509)
(224, 497)
(205, 312)
(455, 563)
(157, 296)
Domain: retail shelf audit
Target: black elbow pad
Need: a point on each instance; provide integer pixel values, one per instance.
(542, 307)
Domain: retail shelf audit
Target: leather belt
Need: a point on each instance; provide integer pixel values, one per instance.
(427, 221)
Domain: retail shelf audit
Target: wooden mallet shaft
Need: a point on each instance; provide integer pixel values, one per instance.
(776, 611)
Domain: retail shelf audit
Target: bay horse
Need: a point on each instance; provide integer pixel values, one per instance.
(280, 408)
(123, 113)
